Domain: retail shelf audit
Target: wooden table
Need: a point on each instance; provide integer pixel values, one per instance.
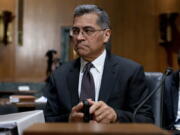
(93, 129)
(17, 92)
(5, 101)
(21, 106)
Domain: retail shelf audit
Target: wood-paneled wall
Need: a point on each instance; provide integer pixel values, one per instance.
(7, 53)
(134, 24)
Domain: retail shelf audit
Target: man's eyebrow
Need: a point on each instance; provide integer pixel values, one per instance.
(75, 27)
(88, 27)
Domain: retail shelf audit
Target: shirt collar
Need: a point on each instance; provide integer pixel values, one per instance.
(98, 63)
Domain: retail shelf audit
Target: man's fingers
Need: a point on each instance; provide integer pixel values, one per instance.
(92, 122)
(91, 102)
(103, 114)
(76, 114)
(101, 110)
(96, 106)
(78, 107)
(76, 117)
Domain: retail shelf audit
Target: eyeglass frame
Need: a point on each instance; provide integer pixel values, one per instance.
(84, 31)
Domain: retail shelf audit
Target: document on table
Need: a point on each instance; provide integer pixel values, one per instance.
(21, 120)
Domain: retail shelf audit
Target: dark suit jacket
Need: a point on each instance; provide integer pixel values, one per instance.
(123, 87)
(171, 96)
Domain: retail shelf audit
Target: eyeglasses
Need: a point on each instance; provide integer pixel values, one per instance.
(86, 31)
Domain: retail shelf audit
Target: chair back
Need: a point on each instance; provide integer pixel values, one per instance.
(153, 81)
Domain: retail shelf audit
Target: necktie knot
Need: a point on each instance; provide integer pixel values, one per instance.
(87, 67)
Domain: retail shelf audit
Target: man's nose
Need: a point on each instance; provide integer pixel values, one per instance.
(80, 36)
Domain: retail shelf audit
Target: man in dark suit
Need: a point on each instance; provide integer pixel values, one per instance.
(119, 84)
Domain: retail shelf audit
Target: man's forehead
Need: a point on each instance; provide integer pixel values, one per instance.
(89, 19)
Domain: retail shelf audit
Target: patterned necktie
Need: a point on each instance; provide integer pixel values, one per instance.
(87, 86)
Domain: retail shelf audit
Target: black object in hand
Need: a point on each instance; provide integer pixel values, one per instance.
(85, 110)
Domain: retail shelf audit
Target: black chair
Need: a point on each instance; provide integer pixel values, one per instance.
(153, 81)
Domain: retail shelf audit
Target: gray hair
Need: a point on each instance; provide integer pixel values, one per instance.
(103, 20)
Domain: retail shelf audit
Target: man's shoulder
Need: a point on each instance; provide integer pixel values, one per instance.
(67, 66)
(125, 62)
(125, 67)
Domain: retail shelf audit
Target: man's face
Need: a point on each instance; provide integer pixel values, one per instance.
(89, 37)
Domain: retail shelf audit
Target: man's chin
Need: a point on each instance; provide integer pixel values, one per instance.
(82, 53)
(85, 56)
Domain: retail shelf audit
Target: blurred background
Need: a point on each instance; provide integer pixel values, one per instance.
(146, 31)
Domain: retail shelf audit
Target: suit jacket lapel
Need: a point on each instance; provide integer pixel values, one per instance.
(108, 78)
(73, 80)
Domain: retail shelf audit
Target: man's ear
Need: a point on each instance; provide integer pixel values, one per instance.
(107, 35)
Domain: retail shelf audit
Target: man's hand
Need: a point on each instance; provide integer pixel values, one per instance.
(102, 112)
(76, 115)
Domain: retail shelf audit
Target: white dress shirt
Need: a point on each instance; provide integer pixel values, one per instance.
(96, 72)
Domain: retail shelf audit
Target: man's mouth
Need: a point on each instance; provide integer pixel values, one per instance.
(80, 46)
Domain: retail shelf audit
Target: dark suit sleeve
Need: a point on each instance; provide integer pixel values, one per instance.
(136, 92)
(54, 111)
(170, 100)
